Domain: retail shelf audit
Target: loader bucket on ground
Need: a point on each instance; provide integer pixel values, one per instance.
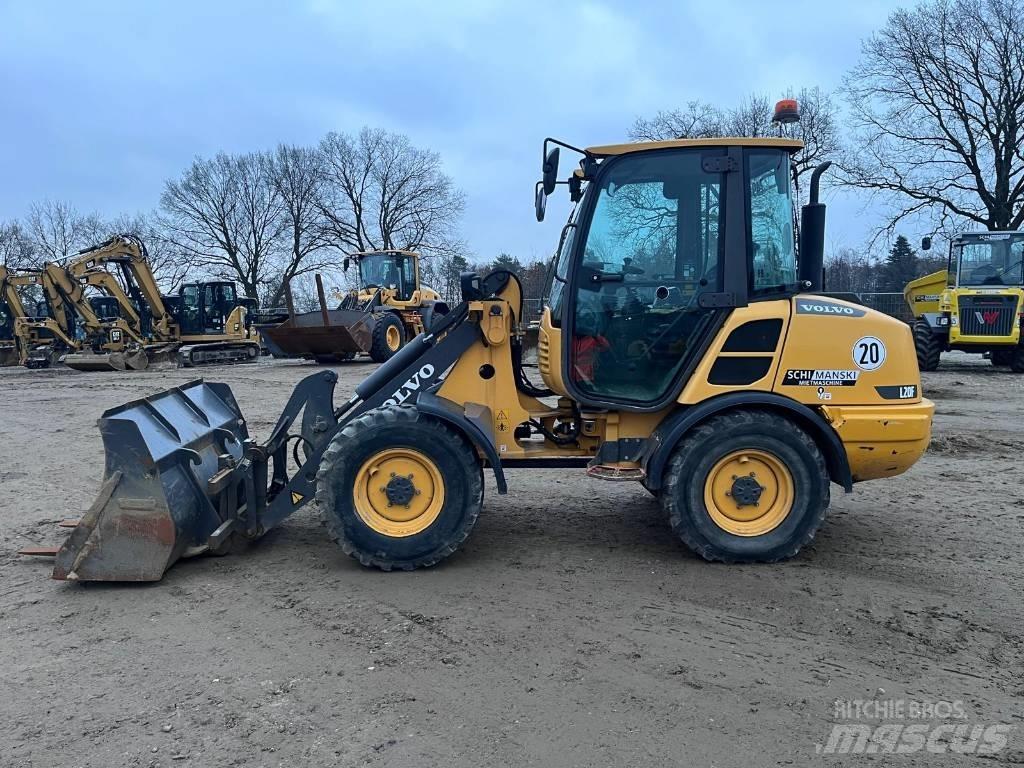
(153, 507)
(348, 333)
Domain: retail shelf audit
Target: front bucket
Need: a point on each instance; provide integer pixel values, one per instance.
(153, 507)
(348, 333)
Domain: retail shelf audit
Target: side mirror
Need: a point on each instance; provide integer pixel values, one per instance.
(550, 171)
(926, 243)
(540, 201)
(346, 264)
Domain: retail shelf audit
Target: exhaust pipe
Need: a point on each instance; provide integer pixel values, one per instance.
(812, 235)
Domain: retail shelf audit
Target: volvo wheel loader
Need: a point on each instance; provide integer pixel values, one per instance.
(681, 348)
(974, 305)
(389, 307)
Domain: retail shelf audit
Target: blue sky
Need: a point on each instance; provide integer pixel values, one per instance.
(103, 101)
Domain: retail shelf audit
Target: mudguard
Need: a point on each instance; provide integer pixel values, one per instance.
(665, 438)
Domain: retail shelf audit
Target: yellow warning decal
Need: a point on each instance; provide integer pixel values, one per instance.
(501, 421)
(296, 498)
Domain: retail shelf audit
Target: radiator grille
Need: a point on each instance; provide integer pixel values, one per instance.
(987, 315)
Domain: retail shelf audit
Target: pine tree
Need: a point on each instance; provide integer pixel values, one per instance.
(901, 266)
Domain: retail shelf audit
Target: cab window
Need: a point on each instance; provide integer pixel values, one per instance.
(771, 223)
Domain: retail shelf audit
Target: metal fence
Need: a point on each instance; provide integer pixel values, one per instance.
(892, 304)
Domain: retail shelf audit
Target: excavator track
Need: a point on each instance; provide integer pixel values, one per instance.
(223, 353)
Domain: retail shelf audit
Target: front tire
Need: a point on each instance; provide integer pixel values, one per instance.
(388, 337)
(1017, 360)
(928, 346)
(399, 489)
(746, 486)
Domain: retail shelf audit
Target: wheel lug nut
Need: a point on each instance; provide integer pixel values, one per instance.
(752, 474)
(392, 474)
(734, 477)
(728, 493)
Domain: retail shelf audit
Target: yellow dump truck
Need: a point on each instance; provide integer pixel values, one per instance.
(975, 305)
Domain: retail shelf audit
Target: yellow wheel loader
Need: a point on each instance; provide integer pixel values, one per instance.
(976, 304)
(681, 348)
(389, 307)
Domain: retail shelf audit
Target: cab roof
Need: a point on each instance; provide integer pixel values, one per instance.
(607, 150)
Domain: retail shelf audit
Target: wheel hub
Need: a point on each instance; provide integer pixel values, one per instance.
(400, 489)
(746, 491)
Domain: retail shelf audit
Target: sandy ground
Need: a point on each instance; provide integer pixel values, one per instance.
(572, 630)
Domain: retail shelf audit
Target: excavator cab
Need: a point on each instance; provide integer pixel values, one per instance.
(205, 307)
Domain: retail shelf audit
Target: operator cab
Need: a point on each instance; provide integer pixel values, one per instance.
(392, 270)
(204, 307)
(667, 238)
(987, 259)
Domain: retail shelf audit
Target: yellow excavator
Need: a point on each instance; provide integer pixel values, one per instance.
(389, 307)
(34, 339)
(205, 323)
(974, 305)
(681, 347)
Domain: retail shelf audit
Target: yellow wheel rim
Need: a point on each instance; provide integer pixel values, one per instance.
(749, 493)
(393, 337)
(398, 492)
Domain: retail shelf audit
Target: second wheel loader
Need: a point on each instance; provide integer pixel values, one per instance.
(681, 348)
(389, 307)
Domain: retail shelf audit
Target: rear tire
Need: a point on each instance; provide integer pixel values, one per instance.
(711, 495)
(388, 337)
(388, 519)
(928, 346)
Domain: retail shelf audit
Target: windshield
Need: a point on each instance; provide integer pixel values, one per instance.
(992, 260)
(771, 222)
(379, 270)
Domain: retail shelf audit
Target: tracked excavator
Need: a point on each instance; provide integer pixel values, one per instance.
(204, 323)
(38, 338)
(682, 348)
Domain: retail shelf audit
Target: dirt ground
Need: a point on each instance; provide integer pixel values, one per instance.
(572, 630)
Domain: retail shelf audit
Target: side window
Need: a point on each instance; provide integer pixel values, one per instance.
(560, 271)
(771, 222)
(408, 277)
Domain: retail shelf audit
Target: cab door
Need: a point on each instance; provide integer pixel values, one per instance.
(645, 291)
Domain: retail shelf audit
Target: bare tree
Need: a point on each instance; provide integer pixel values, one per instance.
(17, 250)
(380, 192)
(298, 179)
(58, 231)
(818, 126)
(171, 264)
(226, 213)
(937, 102)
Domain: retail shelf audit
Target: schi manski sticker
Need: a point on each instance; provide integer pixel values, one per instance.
(820, 378)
